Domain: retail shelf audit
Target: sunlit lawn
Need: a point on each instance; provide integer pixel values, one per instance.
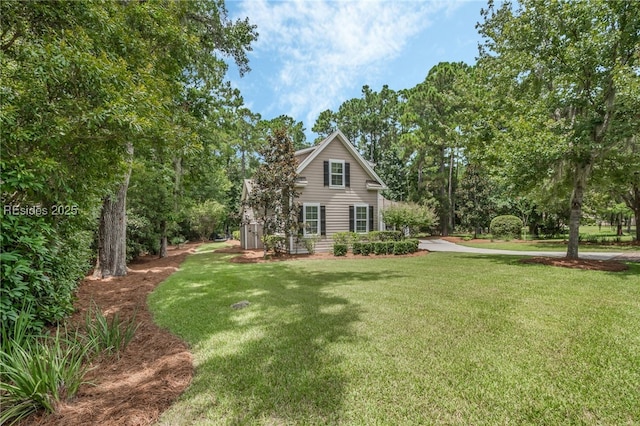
(438, 339)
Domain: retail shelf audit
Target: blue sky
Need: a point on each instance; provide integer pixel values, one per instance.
(314, 55)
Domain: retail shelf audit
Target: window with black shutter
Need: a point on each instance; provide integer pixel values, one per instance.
(347, 175)
(323, 221)
(326, 173)
(371, 222)
(351, 218)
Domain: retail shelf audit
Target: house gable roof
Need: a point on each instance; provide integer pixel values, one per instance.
(339, 136)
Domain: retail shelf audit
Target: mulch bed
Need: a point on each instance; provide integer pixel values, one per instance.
(592, 265)
(150, 374)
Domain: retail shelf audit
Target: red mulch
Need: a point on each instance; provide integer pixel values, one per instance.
(593, 265)
(150, 374)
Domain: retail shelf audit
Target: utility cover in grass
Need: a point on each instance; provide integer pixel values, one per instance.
(240, 305)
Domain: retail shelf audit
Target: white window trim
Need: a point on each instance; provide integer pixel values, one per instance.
(331, 185)
(355, 218)
(304, 218)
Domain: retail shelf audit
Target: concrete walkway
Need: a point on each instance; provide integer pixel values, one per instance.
(442, 245)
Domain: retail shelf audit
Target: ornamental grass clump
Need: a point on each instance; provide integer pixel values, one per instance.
(108, 336)
(39, 371)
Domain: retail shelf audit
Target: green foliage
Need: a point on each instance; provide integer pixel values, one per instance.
(506, 227)
(275, 243)
(356, 247)
(384, 236)
(42, 256)
(142, 237)
(366, 248)
(405, 246)
(340, 249)
(108, 336)
(410, 216)
(80, 82)
(561, 80)
(310, 243)
(274, 186)
(206, 217)
(236, 235)
(178, 240)
(346, 238)
(384, 247)
(38, 372)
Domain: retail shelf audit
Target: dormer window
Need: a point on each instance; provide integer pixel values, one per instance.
(336, 174)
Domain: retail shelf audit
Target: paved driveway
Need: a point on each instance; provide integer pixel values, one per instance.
(442, 245)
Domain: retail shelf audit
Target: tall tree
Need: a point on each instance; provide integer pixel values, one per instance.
(557, 69)
(190, 34)
(274, 187)
(434, 117)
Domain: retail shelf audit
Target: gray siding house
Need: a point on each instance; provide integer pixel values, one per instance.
(339, 191)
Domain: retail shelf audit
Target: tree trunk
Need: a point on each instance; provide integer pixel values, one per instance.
(632, 200)
(163, 239)
(112, 233)
(636, 214)
(579, 184)
(450, 191)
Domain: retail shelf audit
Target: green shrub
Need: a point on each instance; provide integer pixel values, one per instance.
(411, 216)
(236, 235)
(506, 227)
(374, 236)
(178, 240)
(275, 243)
(406, 246)
(383, 247)
(384, 236)
(342, 237)
(40, 266)
(366, 248)
(339, 249)
(310, 243)
(357, 247)
(141, 236)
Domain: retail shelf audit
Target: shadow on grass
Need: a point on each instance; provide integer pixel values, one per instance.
(274, 361)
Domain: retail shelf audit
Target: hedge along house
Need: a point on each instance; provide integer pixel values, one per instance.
(339, 191)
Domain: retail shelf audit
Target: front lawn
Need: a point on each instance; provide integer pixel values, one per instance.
(437, 339)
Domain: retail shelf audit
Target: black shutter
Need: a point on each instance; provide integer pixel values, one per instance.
(351, 219)
(323, 221)
(326, 173)
(347, 175)
(301, 221)
(371, 222)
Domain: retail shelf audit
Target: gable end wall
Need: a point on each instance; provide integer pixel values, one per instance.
(337, 201)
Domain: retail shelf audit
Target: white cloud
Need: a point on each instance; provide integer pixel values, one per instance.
(325, 48)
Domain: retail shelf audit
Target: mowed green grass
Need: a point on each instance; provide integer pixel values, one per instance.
(437, 339)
